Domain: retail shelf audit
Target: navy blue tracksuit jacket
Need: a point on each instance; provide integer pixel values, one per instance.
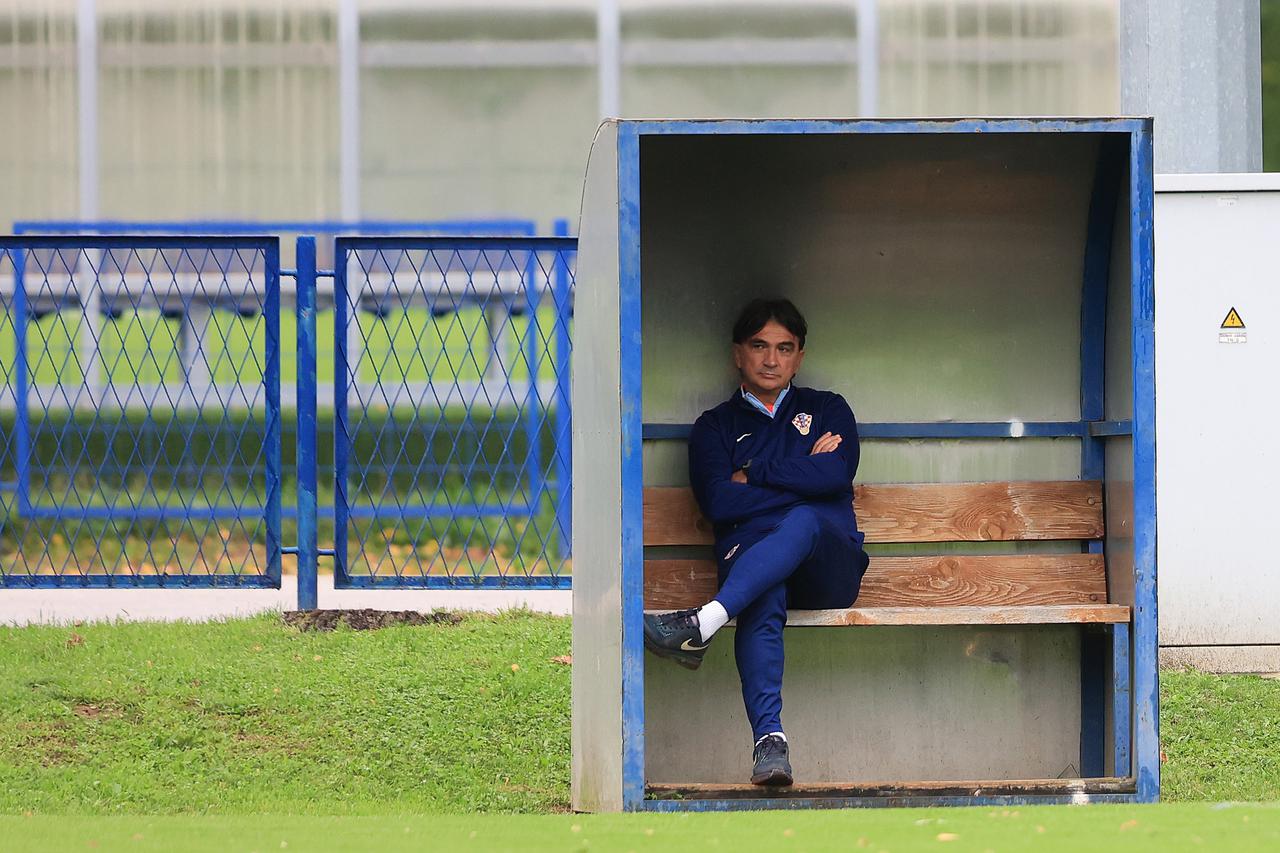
(780, 472)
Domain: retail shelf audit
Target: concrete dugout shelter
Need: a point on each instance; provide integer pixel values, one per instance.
(981, 293)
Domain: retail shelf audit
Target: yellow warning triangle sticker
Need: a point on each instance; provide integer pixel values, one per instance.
(1233, 320)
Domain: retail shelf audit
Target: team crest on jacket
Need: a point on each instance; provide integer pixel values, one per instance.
(802, 422)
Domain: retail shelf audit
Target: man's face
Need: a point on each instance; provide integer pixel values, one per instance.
(768, 360)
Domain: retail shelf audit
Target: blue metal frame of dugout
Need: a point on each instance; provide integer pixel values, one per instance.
(1130, 657)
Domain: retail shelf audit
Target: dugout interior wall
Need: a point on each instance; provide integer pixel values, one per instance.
(951, 273)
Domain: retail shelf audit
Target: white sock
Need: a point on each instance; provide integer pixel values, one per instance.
(771, 734)
(711, 618)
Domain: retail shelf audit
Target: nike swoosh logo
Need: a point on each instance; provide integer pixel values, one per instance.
(744, 435)
(688, 648)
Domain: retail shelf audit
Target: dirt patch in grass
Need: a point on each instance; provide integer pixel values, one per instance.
(51, 744)
(365, 619)
(94, 710)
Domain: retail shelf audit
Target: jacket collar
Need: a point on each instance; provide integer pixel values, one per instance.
(785, 406)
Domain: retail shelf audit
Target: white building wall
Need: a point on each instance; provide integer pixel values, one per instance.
(232, 109)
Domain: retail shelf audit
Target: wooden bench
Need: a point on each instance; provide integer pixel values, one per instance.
(987, 589)
(996, 589)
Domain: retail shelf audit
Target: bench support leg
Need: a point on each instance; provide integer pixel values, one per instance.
(1120, 698)
(1094, 659)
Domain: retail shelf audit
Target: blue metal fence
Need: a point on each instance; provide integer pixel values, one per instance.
(140, 399)
(145, 442)
(451, 411)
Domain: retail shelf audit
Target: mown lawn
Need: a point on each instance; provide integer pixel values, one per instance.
(250, 717)
(1070, 829)
(1221, 736)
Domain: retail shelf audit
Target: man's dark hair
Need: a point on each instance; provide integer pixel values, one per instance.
(758, 312)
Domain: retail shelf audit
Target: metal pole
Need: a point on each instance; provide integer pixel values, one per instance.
(89, 295)
(87, 285)
(1196, 65)
(609, 57)
(349, 109)
(352, 336)
(1145, 642)
(21, 387)
(533, 409)
(271, 385)
(193, 346)
(344, 316)
(868, 58)
(349, 164)
(87, 117)
(563, 435)
(497, 318)
(308, 545)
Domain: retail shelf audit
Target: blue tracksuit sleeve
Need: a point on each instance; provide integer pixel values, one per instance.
(710, 472)
(821, 474)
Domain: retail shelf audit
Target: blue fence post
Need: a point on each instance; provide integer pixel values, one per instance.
(271, 382)
(563, 435)
(341, 426)
(1122, 720)
(22, 411)
(308, 545)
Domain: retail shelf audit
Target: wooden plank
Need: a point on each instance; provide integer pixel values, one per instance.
(676, 584)
(1037, 614)
(924, 512)
(1009, 580)
(1041, 614)
(979, 512)
(672, 517)
(991, 788)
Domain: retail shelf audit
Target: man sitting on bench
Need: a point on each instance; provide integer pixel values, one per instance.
(772, 468)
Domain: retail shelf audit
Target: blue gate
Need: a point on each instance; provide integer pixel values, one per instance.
(140, 403)
(144, 442)
(450, 412)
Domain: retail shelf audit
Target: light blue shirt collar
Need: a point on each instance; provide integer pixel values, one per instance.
(755, 401)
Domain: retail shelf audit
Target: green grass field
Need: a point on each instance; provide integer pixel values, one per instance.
(1133, 829)
(244, 734)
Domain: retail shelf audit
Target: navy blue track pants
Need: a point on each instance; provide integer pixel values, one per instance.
(805, 563)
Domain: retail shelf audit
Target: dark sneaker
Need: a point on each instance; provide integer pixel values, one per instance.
(772, 766)
(676, 636)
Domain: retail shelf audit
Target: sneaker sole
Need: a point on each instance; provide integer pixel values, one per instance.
(686, 661)
(774, 778)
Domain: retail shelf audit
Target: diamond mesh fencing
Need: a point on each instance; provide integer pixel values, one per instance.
(140, 411)
(451, 411)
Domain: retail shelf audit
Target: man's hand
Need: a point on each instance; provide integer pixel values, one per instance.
(825, 444)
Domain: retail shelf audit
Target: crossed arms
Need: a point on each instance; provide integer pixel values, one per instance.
(727, 495)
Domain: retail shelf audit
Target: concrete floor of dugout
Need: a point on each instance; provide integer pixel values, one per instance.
(65, 606)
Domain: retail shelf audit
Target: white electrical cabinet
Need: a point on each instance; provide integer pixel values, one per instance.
(1218, 418)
